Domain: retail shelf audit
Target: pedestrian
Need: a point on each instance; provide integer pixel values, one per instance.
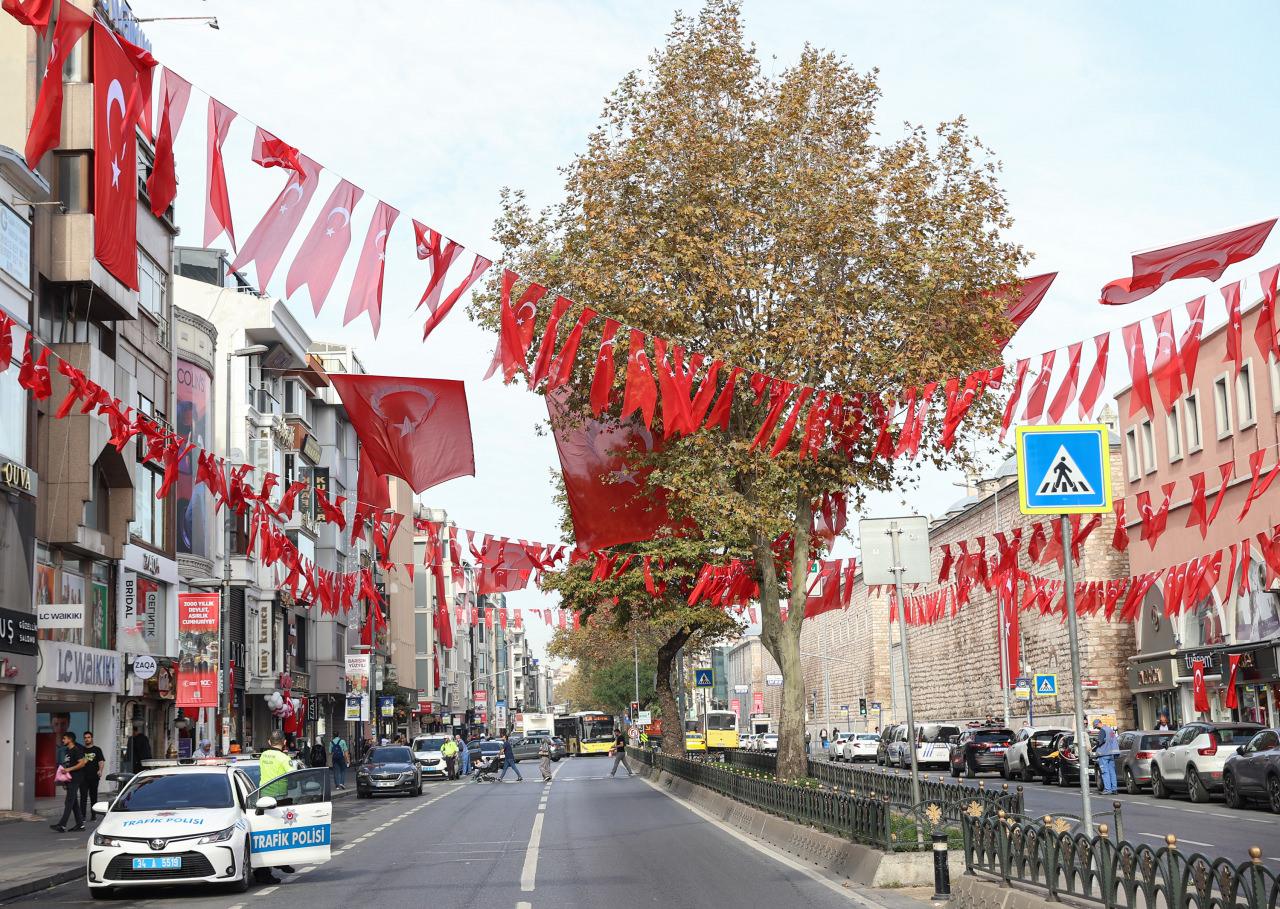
(508, 760)
(619, 754)
(1107, 752)
(317, 753)
(92, 777)
(822, 737)
(544, 758)
(990, 720)
(338, 752)
(234, 747)
(464, 755)
(449, 751)
(71, 773)
(273, 765)
(138, 750)
(1162, 722)
(808, 743)
(205, 750)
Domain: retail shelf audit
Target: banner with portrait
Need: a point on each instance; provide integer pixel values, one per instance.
(198, 619)
(357, 666)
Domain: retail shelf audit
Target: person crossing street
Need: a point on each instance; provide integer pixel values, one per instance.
(449, 751)
(508, 760)
(464, 755)
(544, 759)
(619, 752)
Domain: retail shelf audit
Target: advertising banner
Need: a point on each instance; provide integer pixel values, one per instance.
(386, 707)
(195, 413)
(140, 615)
(198, 617)
(357, 666)
(757, 702)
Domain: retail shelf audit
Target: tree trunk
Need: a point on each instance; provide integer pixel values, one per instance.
(672, 722)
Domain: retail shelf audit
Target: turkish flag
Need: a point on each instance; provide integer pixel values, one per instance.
(1198, 514)
(1199, 692)
(1264, 331)
(267, 243)
(1233, 666)
(1204, 258)
(1140, 395)
(1040, 389)
(602, 379)
(268, 151)
(1166, 370)
(1092, 389)
(371, 486)
(320, 256)
(1235, 326)
(366, 287)
(1014, 395)
(118, 95)
(1189, 344)
(515, 333)
(34, 13)
(415, 429)
(217, 214)
(1029, 293)
(441, 252)
(607, 496)
(1067, 390)
(46, 124)
(641, 393)
(162, 185)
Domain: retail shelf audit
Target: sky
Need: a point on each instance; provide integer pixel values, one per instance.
(1120, 127)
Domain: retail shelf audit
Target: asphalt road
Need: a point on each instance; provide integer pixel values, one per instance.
(585, 840)
(1211, 827)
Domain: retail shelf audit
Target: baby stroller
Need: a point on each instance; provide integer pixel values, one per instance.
(485, 769)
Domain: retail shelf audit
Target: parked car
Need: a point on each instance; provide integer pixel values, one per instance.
(1062, 761)
(426, 751)
(1024, 759)
(835, 747)
(980, 750)
(1133, 763)
(933, 745)
(1253, 772)
(768, 742)
(1195, 758)
(388, 769)
(862, 746)
(886, 741)
(747, 742)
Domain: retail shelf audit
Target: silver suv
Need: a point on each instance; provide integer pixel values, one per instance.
(1194, 760)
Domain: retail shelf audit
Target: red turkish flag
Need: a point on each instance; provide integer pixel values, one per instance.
(1014, 395)
(1030, 292)
(516, 328)
(602, 380)
(641, 393)
(366, 287)
(564, 360)
(1154, 521)
(441, 252)
(371, 486)
(1264, 331)
(267, 243)
(1166, 369)
(268, 151)
(34, 13)
(1230, 701)
(1189, 345)
(1092, 389)
(118, 95)
(415, 429)
(162, 185)
(547, 346)
(1258, 484)
(1204, 258)
(1227, 470)
(217, 214)
(320, 256)
(1067, 390)
(1198, 514)
(1140, 395)
(1199, 692)
(46, 124)
(1040, 389)
(607, 497)
(1235, 326)
(1008, 631)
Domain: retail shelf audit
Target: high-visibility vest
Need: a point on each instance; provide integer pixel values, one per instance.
(273, 764)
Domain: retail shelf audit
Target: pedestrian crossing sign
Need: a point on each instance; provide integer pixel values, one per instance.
(1046, 685)
(704, 678)
(1064, 469)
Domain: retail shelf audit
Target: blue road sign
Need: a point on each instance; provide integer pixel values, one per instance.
(1046, 685)
(704, 678)
(1064, 469)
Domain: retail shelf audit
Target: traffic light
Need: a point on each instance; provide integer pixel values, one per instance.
(862, 706)
(635, 710)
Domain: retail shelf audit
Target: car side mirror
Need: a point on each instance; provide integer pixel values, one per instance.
(264, 803)
(101, 807)
(1239, 749)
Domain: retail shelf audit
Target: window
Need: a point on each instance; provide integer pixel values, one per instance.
(1244, 395)
(1222, 406)
(1195, 430)
(13, 416)
(1148, 446)
(148, 511)
(1131, 453)
(151, 285)
(97, 508)
(1173, 433)
(72, 176)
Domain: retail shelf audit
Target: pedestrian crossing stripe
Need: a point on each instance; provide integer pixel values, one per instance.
(1064, 477)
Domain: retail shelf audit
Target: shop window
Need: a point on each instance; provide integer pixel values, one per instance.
(13, 416)
(1258, 609)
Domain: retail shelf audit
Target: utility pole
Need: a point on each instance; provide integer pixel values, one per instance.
(1073, 637)
(895, 533)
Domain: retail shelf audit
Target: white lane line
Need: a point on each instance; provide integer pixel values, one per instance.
(306, 869)
(530, 871)
(268, 891)
(524, 905)
(1159, 836)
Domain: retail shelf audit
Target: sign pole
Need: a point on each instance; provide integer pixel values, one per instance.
(895, 531)
(1082, 734)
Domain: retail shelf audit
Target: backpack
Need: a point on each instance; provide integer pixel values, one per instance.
(338, 749)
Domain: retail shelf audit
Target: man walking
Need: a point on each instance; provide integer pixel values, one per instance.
(464, 754)
(338, 752)
(508, 760)
(1108, 748)
(92, 776)
(544, 758)
(619, 752)
(139, 750)
(449, 751)
(73, 765)
(317, 758)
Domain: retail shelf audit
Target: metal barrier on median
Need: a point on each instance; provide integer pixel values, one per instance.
(954, 799)
(1114, 874)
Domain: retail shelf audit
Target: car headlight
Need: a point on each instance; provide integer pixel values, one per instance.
(220, 837)
(100, 840)
(407, 775)
(362, 773)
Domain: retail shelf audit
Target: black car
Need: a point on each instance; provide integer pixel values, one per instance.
(389, 769)
(1062, 761)
(882, 749)
(980, 750)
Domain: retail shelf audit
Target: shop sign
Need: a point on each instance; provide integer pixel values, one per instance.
(15, 245)
(60, 615)
(773, 681)
(17, 632)
(311, 449)
(71, 666)
(1152, 676)
(16, 477)
(144, 666)
(1212, 660)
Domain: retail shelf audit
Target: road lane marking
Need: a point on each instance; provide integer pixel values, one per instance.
(1160, 836)
(530, 870)
(524, 905)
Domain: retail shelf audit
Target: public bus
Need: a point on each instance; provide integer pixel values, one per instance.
(720, 730)
(588, 732)
(694, 740)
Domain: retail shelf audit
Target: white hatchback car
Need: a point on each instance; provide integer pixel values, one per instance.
(767, 742)
(208, 822)
(860, 746)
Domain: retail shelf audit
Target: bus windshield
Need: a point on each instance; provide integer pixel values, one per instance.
(597, 729)
(720, 721)
(691, 726)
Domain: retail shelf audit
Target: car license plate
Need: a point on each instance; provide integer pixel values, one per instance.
(998, 749)
(158, 863)
(384, 783)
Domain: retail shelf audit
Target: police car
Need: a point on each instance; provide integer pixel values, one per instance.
(207, 821)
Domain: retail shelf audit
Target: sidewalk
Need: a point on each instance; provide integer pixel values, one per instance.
(33, 857)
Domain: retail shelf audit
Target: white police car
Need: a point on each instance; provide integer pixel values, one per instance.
(208, 822)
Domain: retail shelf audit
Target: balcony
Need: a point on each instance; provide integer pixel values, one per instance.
(265, 403)
(71, 261)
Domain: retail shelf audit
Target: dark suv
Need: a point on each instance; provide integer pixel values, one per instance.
(882, 749)
(980, 750)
